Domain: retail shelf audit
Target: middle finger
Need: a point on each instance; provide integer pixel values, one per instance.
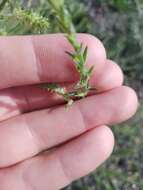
(26, 135)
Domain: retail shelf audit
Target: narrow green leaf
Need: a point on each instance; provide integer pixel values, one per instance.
(85, 54)
(90, 71)
(80, 48)
(70, 54)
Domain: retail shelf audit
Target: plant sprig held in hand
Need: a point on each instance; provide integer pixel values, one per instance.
(79, 56)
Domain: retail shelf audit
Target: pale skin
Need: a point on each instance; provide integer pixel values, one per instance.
(31, 120)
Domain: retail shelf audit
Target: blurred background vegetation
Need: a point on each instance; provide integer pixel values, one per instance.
(119, 24)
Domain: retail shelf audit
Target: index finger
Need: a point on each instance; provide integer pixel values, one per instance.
(28, 60)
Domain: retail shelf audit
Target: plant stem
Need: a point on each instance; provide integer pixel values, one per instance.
(79, 56)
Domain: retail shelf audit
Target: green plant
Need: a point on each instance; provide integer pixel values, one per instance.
(120, 28)
(19, 20)
(79, 56)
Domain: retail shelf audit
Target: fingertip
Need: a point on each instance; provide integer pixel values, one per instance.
(117, 76)
(97, 46)
(96, 51)
(130, 102)
(87, 152)
(110, 77)
(107, 139)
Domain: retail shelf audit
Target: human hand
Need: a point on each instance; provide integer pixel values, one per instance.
(77, 140)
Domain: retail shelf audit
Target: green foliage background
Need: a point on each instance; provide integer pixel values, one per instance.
(118, 23)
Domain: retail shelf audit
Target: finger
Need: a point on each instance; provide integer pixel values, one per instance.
(14, 101)
(66, 164)
(110, 77)
(27, 135)
(36, 59)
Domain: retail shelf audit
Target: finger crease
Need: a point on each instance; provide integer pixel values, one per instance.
(37, 60)
(27, 101)
(82, 116)
(32, 134)
(66, 172)
(27, 183)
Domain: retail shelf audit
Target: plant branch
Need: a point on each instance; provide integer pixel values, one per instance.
(79, 55)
